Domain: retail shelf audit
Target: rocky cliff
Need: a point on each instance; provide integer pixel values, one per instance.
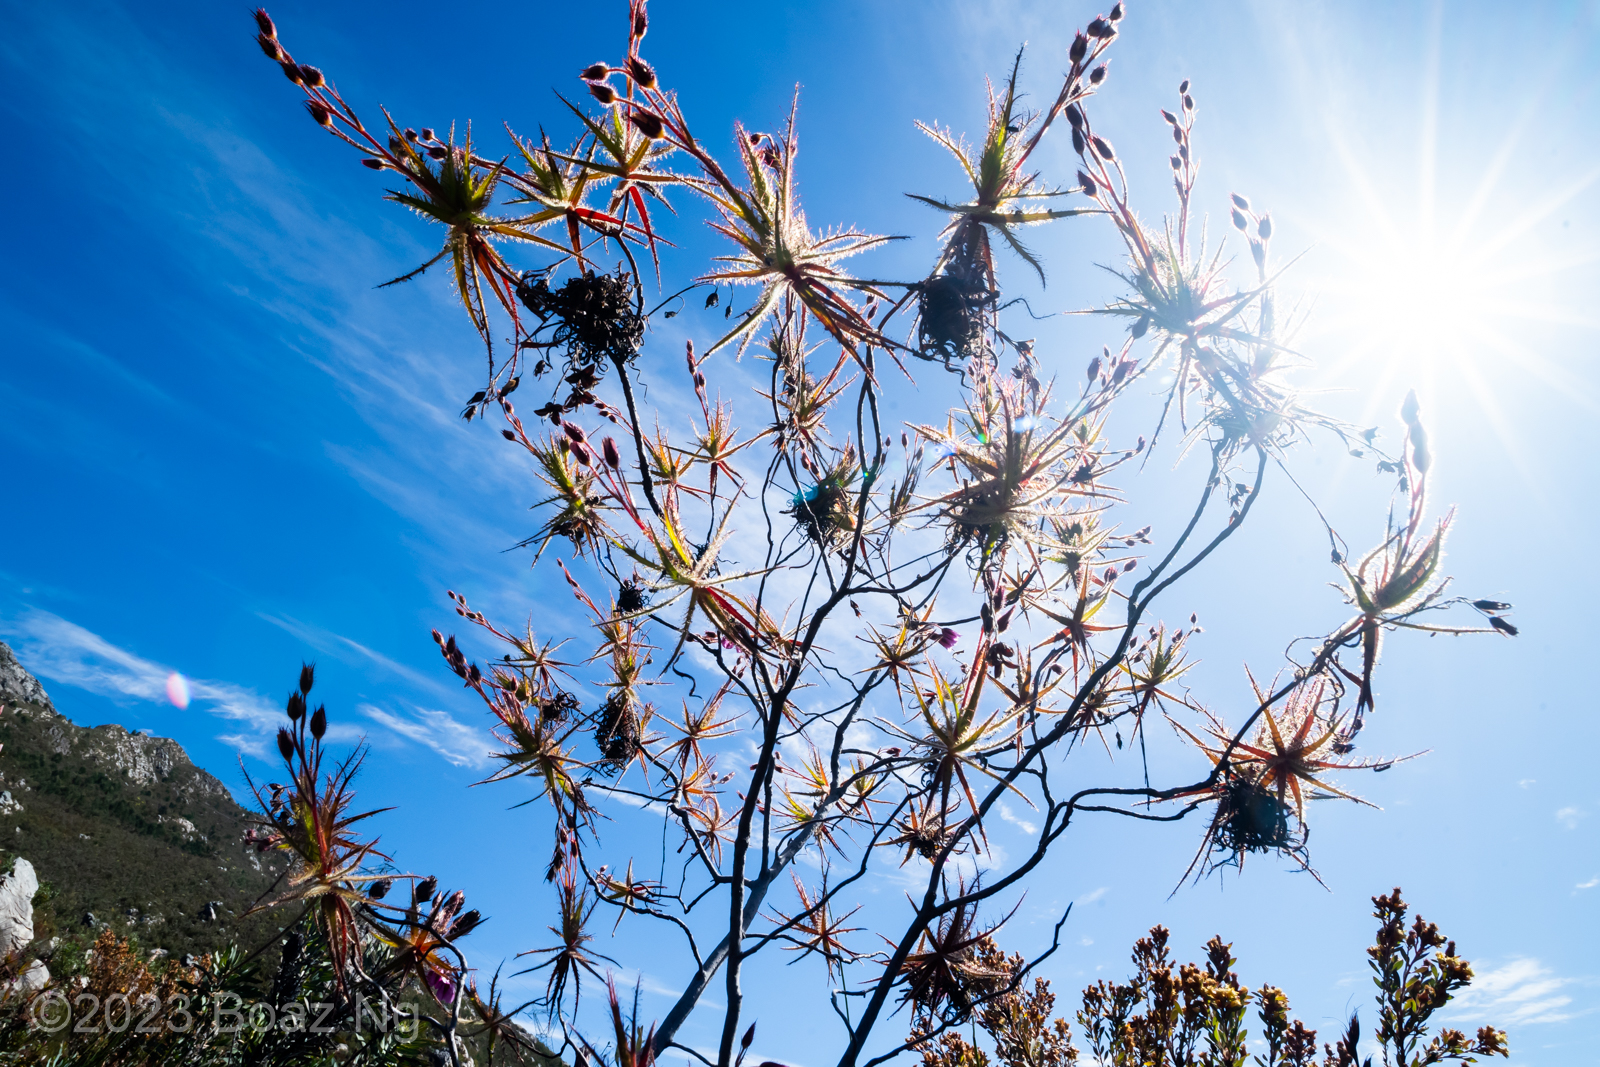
(123, 830)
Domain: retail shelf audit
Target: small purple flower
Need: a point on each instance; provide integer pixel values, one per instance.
(948, 637)
(442, 987)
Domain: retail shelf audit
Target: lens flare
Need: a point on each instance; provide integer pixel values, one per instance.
(178, 690)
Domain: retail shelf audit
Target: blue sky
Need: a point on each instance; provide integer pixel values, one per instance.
(229, 452)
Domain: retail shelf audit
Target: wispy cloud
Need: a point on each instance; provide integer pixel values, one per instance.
(1517, 993)
(65, 652)
(353, 651)
(461, 745)
(1590, 884)
(1570, 816)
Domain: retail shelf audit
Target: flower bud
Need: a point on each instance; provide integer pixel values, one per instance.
(642, 73)
(297, 706)
(1258, 252)
(647, 123)
(1491, 605)
(1503, 626)
(1264, 227)
(1100, 29)
(1103, 146)
(1410, 408)
(372, 164)
(1240, 223)
(379, 889)
(1097, 75)
(1240, 202)
(427, 133)
(1075, 115)
(603, 93)
(594, 72)
(1188, 102)
(580, 453)
(264, 23)
(608, 447)
(320, 112)
(285, 743)
(466, 924)
(1116, 13)
(1183, 86)
(312, 76)
(1177, 134)
(424, 889)
(1176, 161)
(308, 676)
(1087, 184)
(292, 72)
(508, 435)
(1121, 372)
(1094, 368)
(269, 45)
(1079, 49)
(1078, 143)
(641, 23)
(1141, 327)
(319, 722)
(437, 152)
(573, 431)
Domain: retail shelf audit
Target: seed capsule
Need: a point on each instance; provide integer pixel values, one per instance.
(1116, 13)
(1240, 223)
(1079, 49)
(603, 93)
(264, 23)
(1078, 143)
(1183, 86)
(1240, 202)
(269, 45)
(292, 72)
(1140, 327)
(1074, 115)
(313, 77)
(642, 73)
(1097, 75)
(613, 457)
(1264, 227)
(319, 723)
(648, 124)
(321, 112)
(594, 72)
(1103, 146)
(1087, 184)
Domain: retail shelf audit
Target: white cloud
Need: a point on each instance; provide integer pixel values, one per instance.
(1517, 993)
(1569, 817)
(461, 745)
(1022, 824)
(1091, 897)
(62, 651)
(1590, 884)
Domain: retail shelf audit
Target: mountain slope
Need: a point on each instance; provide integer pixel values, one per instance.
(125, 828)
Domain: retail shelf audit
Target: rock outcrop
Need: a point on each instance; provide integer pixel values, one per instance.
(16, 930)
(17, 686)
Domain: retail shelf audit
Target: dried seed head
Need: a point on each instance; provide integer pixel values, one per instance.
(642, 73)
(1087, 184)
(641, 23)
(1103, 146)
(594, 72)
(424, 889)
(1101, 29)
(269, 45)
(1117, 13)
(285, 743)
(1240, 223)
(373, 164)
(1075, 115)
(427, 134)
(1176, 161)
(580, 453)
(380, 889)
(319, 722)
(1141, 327)
(437, 152)
(308, 676)
(603, 93)
(1188, 102)
(647, 123)
(312, 76)
(1183, 86)
(1240, 202)
(296, 706)
(1079, 49)
(609, 448)
(321, 112)
(1264, 227)
(1177, 134)
(292, 72)
(1078, 143)
(1094, 368)
(1169, 116)
(264, 23)
(1097, 75)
